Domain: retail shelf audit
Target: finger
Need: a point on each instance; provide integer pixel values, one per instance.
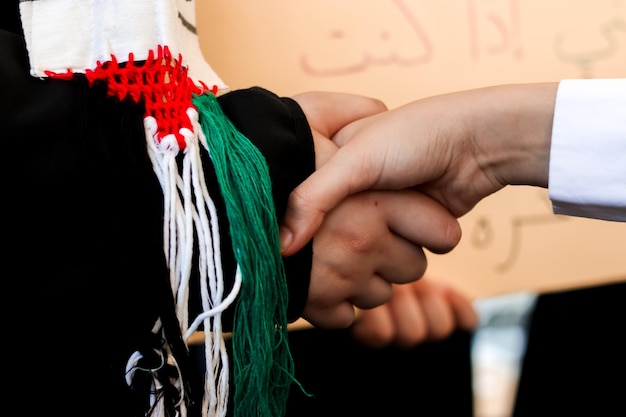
(313, 198)
(374, 327)
(365, 164)
(409, 319)
(402, 262)
(373, 294)
(438, 312)
(421, 220)
(346, 133)
(465, 314)
(364, 244)
(407, 263)
(324, 148)
(331, 111)
(337, 316)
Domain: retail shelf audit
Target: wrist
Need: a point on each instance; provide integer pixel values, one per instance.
(514, 128)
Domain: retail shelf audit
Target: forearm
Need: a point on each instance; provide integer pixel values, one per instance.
(463, 146)
(568, 136)
(510, 128)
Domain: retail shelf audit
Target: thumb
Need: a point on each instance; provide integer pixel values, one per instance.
(310, 201)
(298, 227)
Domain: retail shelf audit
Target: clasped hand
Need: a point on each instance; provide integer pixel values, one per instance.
(373, 241)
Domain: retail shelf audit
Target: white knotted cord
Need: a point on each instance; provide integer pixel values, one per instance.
(189, 212)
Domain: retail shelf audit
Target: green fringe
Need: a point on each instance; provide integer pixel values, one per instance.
(263, 367)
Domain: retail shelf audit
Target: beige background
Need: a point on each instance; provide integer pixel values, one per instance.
(399, 51)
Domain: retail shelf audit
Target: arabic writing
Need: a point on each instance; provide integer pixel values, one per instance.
(403, 33)
(585, 58)
(491, 30)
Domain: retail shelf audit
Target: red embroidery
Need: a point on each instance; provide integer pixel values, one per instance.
(161, 82)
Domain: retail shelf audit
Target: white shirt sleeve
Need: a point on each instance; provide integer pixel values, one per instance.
(588, 152)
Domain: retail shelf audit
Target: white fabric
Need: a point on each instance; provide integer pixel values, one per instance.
(76, 34)
(588, 151)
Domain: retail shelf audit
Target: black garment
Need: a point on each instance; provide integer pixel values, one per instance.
(85, 273)
(575, 360)
(279, 128)
(433, 379)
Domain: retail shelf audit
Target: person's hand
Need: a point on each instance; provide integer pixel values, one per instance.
(371, 239)
(416, 312)
(457, 148)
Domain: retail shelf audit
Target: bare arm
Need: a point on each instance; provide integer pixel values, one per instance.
(457, 148)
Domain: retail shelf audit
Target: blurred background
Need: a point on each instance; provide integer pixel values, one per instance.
(513, 248)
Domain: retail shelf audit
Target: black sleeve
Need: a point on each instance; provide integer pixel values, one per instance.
(83, 255)
(82, 227)
(10, 16)
(279, 128)
(276, 125)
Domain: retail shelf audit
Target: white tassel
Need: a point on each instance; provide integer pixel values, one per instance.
(183, 217)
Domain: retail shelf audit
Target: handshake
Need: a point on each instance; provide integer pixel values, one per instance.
(390, 183)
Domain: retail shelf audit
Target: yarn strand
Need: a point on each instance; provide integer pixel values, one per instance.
(263, 366)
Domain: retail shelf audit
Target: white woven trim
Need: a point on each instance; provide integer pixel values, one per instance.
(74, 35)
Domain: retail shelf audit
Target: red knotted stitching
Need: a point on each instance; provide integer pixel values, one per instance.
(161, 82)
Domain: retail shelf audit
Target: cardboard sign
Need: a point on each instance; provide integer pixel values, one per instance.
(399, 51)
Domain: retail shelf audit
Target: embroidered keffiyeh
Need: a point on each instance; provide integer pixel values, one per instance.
(147, 51)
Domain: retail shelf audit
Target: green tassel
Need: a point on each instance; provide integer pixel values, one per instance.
(263, 367)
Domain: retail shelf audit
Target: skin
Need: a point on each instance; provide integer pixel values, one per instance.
(370, 240)
(456, 148)
(416, 312)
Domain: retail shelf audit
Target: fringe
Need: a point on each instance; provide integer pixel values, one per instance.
(263, 365)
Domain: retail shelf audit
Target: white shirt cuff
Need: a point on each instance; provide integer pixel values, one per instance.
(588, 152)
